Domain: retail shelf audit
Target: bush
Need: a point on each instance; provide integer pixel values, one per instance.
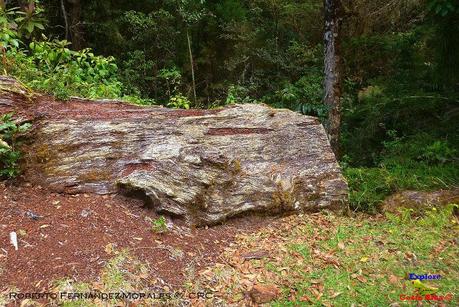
(368, 187)
(238, 94)
(438, 152)
(305, 95)
(179, 101)
(51, 67)
(419, 162)
(10, 133)
(137, 74)
(159, 225)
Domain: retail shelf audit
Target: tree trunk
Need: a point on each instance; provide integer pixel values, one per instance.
(333, 70)
(192, 65)
(76, 31)
(66, 23)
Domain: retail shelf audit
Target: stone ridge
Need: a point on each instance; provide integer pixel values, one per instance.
(205, 165)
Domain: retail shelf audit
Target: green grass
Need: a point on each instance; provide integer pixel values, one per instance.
(328, 260)
(421, 162)
(375, 250)
(370, 186)
(122, 273)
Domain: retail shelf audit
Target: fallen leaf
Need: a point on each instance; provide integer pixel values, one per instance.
(335, 294)
(314, 291)
(260, 254)
(393, 279)
(26, 302)
(109, 248)
(306, 298)
(264, 293)
(361, 279)
(315, 281)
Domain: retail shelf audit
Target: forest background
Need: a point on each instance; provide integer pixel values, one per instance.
(400, 71)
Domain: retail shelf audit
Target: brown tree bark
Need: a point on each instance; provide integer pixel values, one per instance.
(192, 65)
(333, 70)
(66, 22)
(76, 30)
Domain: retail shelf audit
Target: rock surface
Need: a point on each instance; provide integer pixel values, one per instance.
(420, 200)
(205, 165)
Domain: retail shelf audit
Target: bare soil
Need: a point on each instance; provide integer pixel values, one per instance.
(69, 238)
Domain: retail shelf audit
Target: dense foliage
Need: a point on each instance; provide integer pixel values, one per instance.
(10, 133)
(50, 66)
(400, 61)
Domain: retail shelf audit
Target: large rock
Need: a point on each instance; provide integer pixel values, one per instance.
(420, 200)
(206, 165)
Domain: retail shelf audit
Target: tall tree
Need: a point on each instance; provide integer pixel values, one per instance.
(76, 30)
(333, 70)
(191, 12)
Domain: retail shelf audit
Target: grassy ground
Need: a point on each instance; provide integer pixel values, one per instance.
(319, 259)
(325, 260)
(370, 186)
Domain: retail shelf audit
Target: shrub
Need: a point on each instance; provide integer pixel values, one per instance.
(239, 94)
(419, 162)
(51, 67)
(9, 141)
(137, 74)
(179, 101)
(304, 95)
(368, 187)
(438, 152)
(159, 225)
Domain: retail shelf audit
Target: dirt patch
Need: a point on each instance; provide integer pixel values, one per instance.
(66, 236)
(30, 108)
(234, 131)
(81, 109)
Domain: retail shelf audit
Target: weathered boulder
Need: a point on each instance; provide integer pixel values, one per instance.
(205, 165)
(420, 200)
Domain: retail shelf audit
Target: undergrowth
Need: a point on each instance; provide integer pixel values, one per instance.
(159, 225)
(49, 65)
(10, 139)
(420, 162)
